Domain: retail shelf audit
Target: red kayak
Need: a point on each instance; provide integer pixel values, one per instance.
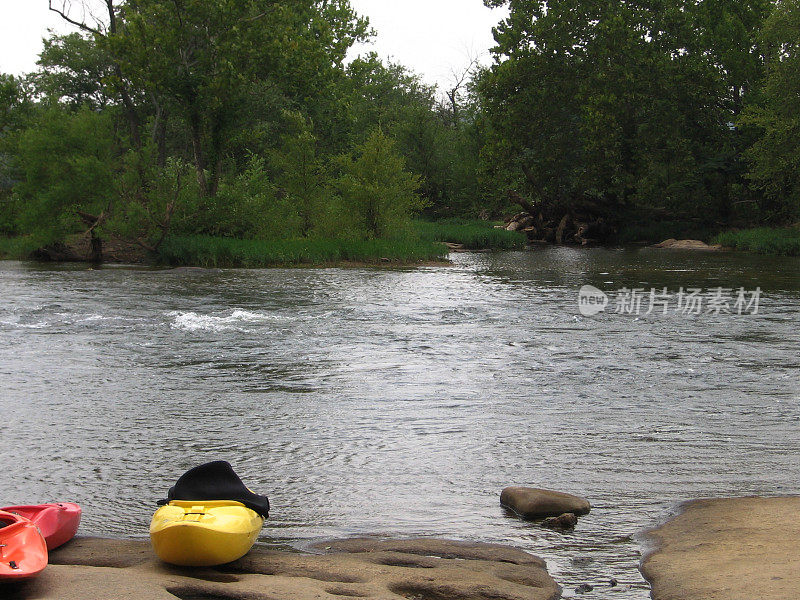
(23, 551)
(57, 522)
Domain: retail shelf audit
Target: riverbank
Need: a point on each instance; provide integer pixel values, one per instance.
(470, 235)
(96, 569)
(727, 549)
(217, 252)
(764, 240)
(425, 243)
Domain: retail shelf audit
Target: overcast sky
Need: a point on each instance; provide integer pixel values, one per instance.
(430, 36)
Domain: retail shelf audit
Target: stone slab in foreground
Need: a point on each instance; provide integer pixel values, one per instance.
(730, 549)
(420, 569)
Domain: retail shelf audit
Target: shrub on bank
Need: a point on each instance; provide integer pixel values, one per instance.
(473, 235)
(205, 251)
(18, 248)
(763, 240)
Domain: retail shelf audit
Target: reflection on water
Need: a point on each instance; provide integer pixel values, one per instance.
(400, 402)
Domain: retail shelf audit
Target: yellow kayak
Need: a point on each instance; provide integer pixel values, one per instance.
(204, 533)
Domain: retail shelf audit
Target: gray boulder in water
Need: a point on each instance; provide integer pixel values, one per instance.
(532, 503)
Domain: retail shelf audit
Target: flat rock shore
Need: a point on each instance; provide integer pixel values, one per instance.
(417, 569)
(728, 549)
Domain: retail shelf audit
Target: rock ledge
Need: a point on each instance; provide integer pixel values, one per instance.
(371, 568)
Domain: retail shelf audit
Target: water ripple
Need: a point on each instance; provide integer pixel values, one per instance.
(402, 402)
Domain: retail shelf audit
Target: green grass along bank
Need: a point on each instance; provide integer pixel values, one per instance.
(423, 244)
(783, 241)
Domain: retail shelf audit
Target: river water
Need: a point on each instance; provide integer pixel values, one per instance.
(400, 402)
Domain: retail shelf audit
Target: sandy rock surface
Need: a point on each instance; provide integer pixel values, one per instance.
(730, 549)
(422, 569)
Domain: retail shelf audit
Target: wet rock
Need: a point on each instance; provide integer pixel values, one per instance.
(584, 589)
(453, 246)
(613, 583)
(533, 503)
(673, 244)
(565, 521)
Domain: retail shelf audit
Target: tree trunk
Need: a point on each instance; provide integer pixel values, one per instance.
(199, 154)
(216, 175)
(216, 151)
(160, 134)
(526, 206)
(134, 124)
(96, 249)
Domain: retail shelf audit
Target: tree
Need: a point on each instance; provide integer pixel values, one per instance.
(86, 16)
(457, 92)
(378, 95)
(16, 109)
(624, 105)
(75, 70)
(530, 101)
(390, 97)
(67, 164)
(377, 193)
(774, 158)
(204, 55)
(301, 177)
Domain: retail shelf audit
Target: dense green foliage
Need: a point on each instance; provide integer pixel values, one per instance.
(763, 240)
(159, 123)
(239, 120)
(646, 110)
(67, 169)
(775, 155)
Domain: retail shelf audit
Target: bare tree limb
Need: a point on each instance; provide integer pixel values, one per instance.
(256, 18)
(62, 12)
(459, 79)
